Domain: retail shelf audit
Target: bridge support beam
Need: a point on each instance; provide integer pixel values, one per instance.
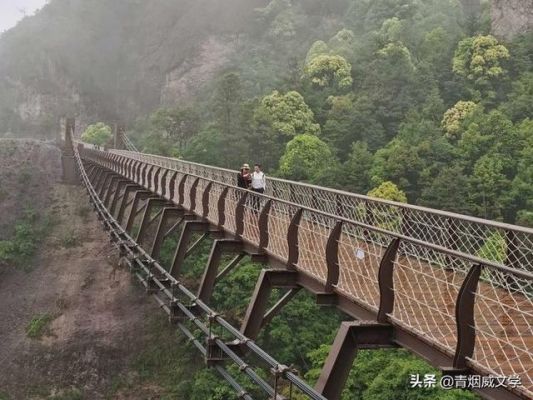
(170, 215)
(118, 194)
(189, 228)
(256, 315)
(128, 189)
(146, 219)
(220, 246)
(352, 336)
(139, 196)
(117, 183)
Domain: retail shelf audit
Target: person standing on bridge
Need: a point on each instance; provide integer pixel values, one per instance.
(258, 185)
(244, 178)
(258, 179)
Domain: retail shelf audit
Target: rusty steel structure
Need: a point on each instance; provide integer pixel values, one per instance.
(456, 290)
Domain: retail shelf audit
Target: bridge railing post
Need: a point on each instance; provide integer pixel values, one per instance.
(464, 316)
(292, 239)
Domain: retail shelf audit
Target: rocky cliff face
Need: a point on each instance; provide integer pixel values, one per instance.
(185, 80)
(511, 17)
(113, 60)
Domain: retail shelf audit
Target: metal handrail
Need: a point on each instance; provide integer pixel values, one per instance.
(449, 214)
(441, 249)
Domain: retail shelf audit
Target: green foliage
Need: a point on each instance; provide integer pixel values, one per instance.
(38, 326)
(356, 176)
(29, 232)
(490, 185)
(519, 104)
(305, 157)
(479, 58)
(318, 48)
(69, 394)
(98, 134)
(388, 191)
(325, 70)
(494, 248)
(454, 117)
(287, 114)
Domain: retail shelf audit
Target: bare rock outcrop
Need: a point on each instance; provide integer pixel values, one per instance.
(511, 17)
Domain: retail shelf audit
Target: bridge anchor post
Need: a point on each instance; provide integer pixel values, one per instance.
(68, 162)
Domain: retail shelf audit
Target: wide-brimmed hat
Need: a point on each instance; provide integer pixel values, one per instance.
(245, 166)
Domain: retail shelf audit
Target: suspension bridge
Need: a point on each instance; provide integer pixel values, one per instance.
(453, 289)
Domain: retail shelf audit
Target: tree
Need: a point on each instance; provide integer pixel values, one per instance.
(317, 48)
(522, 187)
(357, 169)
(343, 44)
(494, 248)
(403, 160)
(392, 85)
(327, 70)
(388, 191)
(227, 101)
(455, 116)
(98, 134)
(351, 119)
(176, 125)
(479, 58)
(448, 190)
(306, 157)
(489, 186)
(287, 114)
(519, 104)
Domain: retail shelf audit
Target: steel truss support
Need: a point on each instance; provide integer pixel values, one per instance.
(139, 196)
(189, 228)
(119, 194)
(352, 336)
(256, 315)
(116, 186)
(170, 215)
(209, 278)
(131, 188)
(146, 219)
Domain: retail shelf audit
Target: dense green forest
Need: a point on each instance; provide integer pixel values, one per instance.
(345, 93)
(410, 92)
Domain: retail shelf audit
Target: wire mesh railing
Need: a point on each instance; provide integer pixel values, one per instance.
(491, 241)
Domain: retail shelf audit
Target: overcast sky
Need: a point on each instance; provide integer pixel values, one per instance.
(12, 11)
